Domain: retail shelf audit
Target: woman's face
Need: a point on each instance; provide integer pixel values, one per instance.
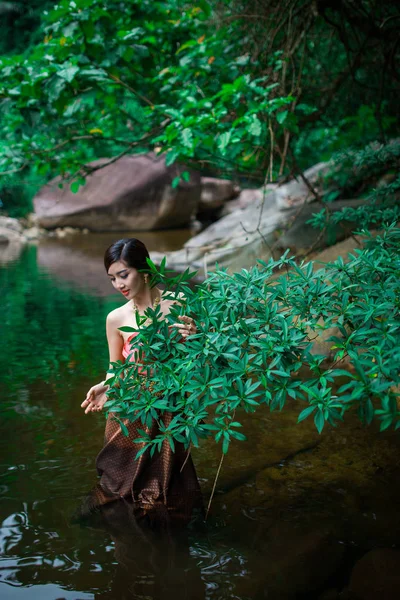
(125, 279)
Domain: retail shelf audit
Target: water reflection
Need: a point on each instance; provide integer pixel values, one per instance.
(153, 555)
(10, 252)
(78, 259)
(47, 328)
(284, 520)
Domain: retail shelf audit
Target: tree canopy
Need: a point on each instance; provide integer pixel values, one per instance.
(248, 92)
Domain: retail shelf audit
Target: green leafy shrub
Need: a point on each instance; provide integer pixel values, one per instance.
(372, 172)
(254, 347)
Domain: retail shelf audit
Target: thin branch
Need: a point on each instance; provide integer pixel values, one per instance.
(79, 138)
(271, 154)
(130, 89)
(17, 170)
(187, 457)
(214, 486)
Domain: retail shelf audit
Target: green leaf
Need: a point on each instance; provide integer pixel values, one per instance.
(171, 157)
(205, 7)
(281, 116)
(305, 413)
(185, 175)
(55, 87)
(175, 182)
(95, 74)
(133, 33)
(188, 44)
(369, 411)
(319, 420)
(223, 141)
(187, 138)
(124, 428)
(255, 127)
(68, 73)
(140, 452)
(225, 444)
(238, 436)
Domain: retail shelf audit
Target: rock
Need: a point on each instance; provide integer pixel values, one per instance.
(246, 198)
(11, 240)
(303, 561)
(195, 226)
(297, 192)
(10, 224)
(214, 194)
(10, 232)
(289, 195)
(33, 233)
(31, 220)
(239, 239)
(134, 193)
(377, 575)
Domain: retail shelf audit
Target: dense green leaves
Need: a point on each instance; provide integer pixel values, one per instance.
(205, 83)
(254, 347)
(358, 169)
(106, 80)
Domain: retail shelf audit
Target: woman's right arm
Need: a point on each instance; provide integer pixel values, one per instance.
(96, 396)
(114, 339)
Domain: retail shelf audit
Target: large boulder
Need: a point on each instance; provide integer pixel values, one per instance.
(248, 197)
(275, 220)
(287, 196)
(133, 193)
(214, 193)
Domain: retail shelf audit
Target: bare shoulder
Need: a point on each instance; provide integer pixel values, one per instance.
(116, 316)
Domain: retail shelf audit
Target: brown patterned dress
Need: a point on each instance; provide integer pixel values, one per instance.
(167, 480)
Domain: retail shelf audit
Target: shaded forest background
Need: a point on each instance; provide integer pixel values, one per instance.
(251, 91)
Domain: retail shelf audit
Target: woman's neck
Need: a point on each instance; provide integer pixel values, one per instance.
(146, 298)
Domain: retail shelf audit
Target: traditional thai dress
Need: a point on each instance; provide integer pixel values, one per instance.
(167, 479)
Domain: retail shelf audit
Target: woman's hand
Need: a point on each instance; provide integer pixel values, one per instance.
(95, 398)
(187, 327)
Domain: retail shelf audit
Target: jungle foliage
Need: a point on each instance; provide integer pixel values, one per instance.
(254, 347)
(254, 92)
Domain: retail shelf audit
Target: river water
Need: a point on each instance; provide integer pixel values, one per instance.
(293, 510)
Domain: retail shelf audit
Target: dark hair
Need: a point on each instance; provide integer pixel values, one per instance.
(132, 251)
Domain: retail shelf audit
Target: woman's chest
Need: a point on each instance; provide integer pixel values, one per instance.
(128, 319)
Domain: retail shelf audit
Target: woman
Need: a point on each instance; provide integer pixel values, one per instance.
(168, 479)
